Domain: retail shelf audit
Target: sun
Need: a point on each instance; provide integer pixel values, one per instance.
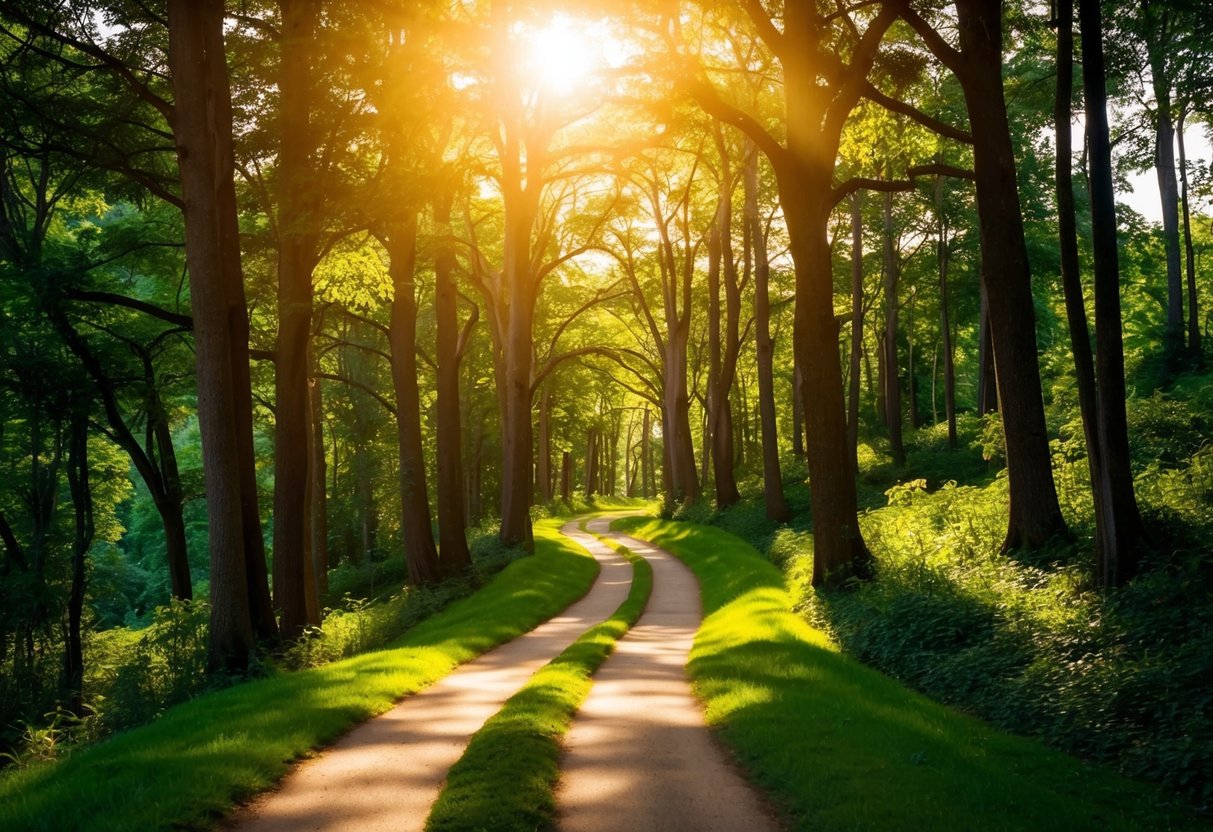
(560, 56)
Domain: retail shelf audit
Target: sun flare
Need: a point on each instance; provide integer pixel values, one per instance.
(561, 55)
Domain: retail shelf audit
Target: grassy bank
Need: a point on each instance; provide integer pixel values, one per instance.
(839, 746)
(506, 777)
(193, 764)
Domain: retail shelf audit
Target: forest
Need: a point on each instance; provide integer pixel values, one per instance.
(318, 318)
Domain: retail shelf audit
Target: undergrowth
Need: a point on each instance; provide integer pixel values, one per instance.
(1124, 677)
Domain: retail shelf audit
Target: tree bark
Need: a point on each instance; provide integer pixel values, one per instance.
(1121, 553)
(772, 477)
(892, 376)
(543, 451)
(987, 384)
(723, 336)
(1035, 516)
(318, 494)
(420, 553)
(1071, 274)
(566, 477)
(1194, 346)
(82, 502)
(454, 556)
(945, 322)
(856, 325)
(202, 132)
(591, 462)
(294, 579)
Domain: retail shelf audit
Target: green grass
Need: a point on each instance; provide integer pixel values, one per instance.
(193, 764)
(839, 746)
(505, 779)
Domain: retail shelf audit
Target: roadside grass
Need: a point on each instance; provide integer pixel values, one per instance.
(505, 779)
(192, 765)
(837, 745)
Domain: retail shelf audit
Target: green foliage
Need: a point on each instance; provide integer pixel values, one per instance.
(817, 728)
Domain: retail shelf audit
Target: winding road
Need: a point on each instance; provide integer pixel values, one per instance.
(638, 757)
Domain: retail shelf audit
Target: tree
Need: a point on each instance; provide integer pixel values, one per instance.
(1035, 516)
(1119, 552)
(203, 135)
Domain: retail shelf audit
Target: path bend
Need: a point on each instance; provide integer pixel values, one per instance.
(639, 756)
(386, 773)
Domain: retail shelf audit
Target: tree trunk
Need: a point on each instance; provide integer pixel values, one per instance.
(202, 132)
(797, 414)
(1164, 168)
(892, 376)
(1121, 555)
(945, 323)
(82, 502)
(987, 384)
(294, 581)
(318, 495)
(727, 336)
(543, 451)
(1194, 345)
(591, 462)
(420, 553)
(1035, 515)
(772, 476)
(1071, 274)
(566, 477)
(647, 482)
(856, 325)
(454, 556)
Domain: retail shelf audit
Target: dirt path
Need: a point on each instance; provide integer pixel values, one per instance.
(385, 774)
(639, 756)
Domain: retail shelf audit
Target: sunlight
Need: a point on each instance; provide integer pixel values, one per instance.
(560, 56)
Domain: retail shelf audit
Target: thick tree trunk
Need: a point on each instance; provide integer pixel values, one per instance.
(772, 477)
(454, 556)
(420, 553)
(839, 549)
(1035, 515)
(1121, 539)
(202, 132)
(1071, 274)
(892, 377)
(1194, 345)
(856, 325)
(294, 581)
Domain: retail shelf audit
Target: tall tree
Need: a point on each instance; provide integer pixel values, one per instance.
(298, 203)
(202, 130)
(1035, 516)
(1120, 544)
(772, 478)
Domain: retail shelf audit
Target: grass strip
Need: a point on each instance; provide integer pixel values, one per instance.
(193, 764)
(505, 779)
(837, 745)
